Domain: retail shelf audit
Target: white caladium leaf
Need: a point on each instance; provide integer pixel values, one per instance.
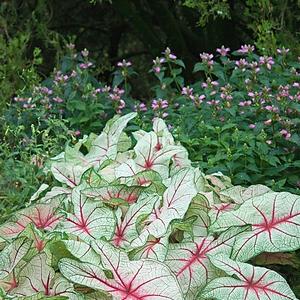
(124, 142)
(148, 179)
(190, 263)
(176, 200)
(138, 134)
(248, 283)
(218, 182)
(239, 194)
(83, 251)
(151, 156)
(37, 194)
(143, 279)
(106, 144)
(72, 154)
(37, 276)
(61, 193)
(143, 224)
(199, 209)
(68, 173)
(155, 248)
(163, 134)
(42, 216)
(92, 179)
(126, 169)
(90, 220)
(275, 221)
(216, 210)
(180, 160)
(126, 229)
(113, 193)
(109, 168)
(37, 237)
(200, 180)
(11, 255)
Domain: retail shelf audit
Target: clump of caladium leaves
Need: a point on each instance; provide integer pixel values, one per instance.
(143, 223)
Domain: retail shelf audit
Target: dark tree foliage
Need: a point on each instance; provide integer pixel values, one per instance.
(137, 30)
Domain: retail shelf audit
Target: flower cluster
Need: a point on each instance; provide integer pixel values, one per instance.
(116, 97)
(159, 105)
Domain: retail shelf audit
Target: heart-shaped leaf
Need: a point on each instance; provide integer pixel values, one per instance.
(248, 282)
(90, 220)
(143, 279)
(275, 221)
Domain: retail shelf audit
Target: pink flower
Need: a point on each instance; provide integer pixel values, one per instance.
(58, 100)
(285, 134)
(157, 104)
(223, 51)
(283, 51)
(213, 102)
(73, 74)
(19, 99)
(164, 104)
(46, 91)
(245, 103)
(246, 49)
(77, 132)
(252, 126)
(272, 108)
(169, 55)
(242, 63)
(120, 106)
(267, 61)
(70, 46)
(156, 69)
(124, 64)
(187, 91)
(85, 65)
(142, 107)
(269, 142)
(85, 53)
(207, 58)
(157, 64)
(28, 105)
(105, 89)
(164, 115)
(268, 122)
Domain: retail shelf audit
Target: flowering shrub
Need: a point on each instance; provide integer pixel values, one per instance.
(242, 119)
(143, 223)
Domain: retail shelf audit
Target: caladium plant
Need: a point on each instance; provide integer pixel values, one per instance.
(144, 223)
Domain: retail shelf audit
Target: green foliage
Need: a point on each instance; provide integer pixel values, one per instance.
(209, 8)
(270, 22)
(21, 56)
(241, 119)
